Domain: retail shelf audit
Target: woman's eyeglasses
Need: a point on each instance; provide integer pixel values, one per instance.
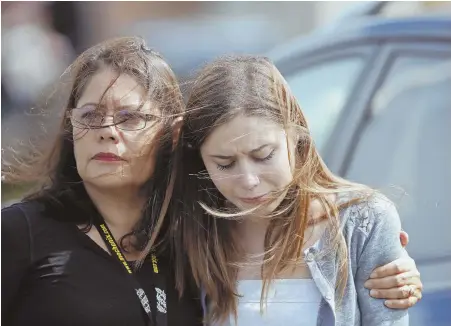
(94, 118)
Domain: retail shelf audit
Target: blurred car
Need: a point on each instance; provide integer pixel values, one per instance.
(377, 95)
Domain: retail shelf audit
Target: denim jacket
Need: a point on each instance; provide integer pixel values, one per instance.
(371, 231)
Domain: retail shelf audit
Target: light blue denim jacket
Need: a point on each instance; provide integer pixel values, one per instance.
(371, 231)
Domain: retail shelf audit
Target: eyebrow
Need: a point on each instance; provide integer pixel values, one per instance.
(223, 157)
(117, 108)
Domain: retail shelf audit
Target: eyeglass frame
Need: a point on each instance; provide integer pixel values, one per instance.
(146, 118)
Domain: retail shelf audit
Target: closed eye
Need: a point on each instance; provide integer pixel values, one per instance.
(226, 167)
(264, 159)
(267, 158)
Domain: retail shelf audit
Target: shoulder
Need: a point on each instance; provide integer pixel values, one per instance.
(368, 211)
(18, 215)
(33, 227)
(16, 232)
(31, 215)
(26, 205)
(371, 227)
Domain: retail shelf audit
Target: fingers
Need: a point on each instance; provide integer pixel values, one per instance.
(400, 298)
(398, 266)
(395, 281)
(398, 281)
(402, 304)
(404, 237)
(402, 292)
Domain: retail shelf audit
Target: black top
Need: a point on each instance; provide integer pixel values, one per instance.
(55, 274)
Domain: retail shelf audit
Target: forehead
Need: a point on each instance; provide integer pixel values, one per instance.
(244, 133)
(125, 89)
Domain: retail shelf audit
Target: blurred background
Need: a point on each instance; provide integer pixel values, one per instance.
(374, 79)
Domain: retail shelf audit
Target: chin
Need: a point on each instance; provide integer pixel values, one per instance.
(109, 180)
(265, 209)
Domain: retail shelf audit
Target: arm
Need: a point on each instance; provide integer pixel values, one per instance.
(381, 246)
(16, 254)
(398, 281)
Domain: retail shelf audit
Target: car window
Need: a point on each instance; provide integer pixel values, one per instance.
(322, 90)
(405, 150)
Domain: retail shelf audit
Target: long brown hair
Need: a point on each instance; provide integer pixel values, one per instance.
(226, 88)
(50, 164)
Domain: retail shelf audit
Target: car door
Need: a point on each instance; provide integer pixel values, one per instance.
(402, 146)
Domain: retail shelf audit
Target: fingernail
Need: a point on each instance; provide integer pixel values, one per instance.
(388, 303)
(373, 293)
(373, 275)
(367, 284)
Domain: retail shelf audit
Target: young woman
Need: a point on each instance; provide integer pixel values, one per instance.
(69, 249)
(271, 235)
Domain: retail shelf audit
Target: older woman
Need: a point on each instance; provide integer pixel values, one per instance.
(70, 249)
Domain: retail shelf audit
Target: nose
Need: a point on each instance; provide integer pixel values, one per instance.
(249, 178)
(109, 133)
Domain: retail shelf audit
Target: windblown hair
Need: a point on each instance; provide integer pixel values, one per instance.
(50, 165)
(224, 89)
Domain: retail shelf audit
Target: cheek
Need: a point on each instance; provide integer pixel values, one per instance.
(221, 179)
(142, 149)
(135, 144)
(81, 148)
(141, 143)
(280, 173)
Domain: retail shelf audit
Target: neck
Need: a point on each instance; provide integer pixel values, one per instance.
(120, 208)
(252, 234)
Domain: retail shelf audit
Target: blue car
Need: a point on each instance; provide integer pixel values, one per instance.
(377, 95)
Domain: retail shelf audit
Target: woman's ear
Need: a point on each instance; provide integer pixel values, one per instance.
(176, 127)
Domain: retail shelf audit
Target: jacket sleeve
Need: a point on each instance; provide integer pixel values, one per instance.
(381, 246)
(16, 254)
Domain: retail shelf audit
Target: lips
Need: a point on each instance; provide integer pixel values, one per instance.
(107, 157)
(254, 200)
